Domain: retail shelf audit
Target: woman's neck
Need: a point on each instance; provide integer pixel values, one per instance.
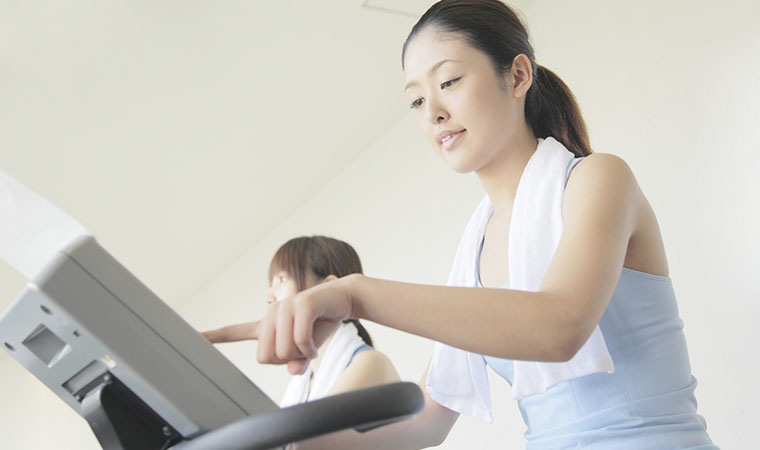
(501, 177)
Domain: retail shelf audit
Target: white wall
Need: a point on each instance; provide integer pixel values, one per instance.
(673, 88)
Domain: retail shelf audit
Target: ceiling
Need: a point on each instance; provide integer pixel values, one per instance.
(180, 132)
(415, 8)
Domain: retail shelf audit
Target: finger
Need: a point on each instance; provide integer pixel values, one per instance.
(214, 336)
(233, 333)
(266, 352)
(240, 332)
(285, 349)
(209, 335)
(297, 366)
(303, 330)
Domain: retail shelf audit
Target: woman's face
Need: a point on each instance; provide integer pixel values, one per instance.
(282, 286)
(467, 112)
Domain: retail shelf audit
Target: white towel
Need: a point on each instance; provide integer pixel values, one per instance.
(458, 379)
(344, 343)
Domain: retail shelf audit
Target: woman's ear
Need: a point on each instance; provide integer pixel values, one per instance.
(520, 76)
(329, 278)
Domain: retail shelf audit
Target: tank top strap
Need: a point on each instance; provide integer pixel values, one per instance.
(362, 348)
(571, 165)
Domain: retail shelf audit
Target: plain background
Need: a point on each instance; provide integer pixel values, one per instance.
(672, 87)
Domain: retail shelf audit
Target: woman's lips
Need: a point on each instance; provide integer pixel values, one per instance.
(449, 141)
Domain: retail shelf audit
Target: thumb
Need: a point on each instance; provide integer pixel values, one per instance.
(297, 366)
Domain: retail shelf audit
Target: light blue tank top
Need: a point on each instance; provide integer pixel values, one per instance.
(362, 348)
(647, 403)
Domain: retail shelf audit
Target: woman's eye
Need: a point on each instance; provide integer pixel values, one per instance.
(282, 279)
(447, 84)
(416, 103)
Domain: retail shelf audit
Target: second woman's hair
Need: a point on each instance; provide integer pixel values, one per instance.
(318, 256)
(495, 29)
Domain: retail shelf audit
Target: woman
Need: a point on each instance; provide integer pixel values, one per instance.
(560, 283)
(346, 360)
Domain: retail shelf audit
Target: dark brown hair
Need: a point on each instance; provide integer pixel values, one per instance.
(319, 256)
(495, 29)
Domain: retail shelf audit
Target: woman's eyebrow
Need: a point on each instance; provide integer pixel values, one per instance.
(431, 70)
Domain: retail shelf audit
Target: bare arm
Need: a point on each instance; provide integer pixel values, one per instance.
(427, 429)
(548, 325)
(600, 212)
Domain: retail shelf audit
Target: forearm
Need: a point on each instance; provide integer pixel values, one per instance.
(497, 322)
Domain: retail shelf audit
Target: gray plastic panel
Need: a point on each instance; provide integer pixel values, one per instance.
(170, 326)
(87, 300)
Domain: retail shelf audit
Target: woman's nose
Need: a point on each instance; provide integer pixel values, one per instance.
(435, 112)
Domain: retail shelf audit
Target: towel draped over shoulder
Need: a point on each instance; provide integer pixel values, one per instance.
(338, 353)
(457, 378)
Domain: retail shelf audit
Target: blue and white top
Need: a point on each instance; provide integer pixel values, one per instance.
(646, 403)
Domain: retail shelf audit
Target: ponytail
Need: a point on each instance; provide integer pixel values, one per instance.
(495, 29)
(363, 333)
(551, 110)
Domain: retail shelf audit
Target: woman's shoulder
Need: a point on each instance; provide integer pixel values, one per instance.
(368, 368)
(600, 174)
(371, 359)
(603, 165)
(601, 191)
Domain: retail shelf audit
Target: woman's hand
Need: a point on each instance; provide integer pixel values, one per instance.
(295, 328)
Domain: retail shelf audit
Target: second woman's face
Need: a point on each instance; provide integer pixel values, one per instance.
(282, 286)
(465, 110)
